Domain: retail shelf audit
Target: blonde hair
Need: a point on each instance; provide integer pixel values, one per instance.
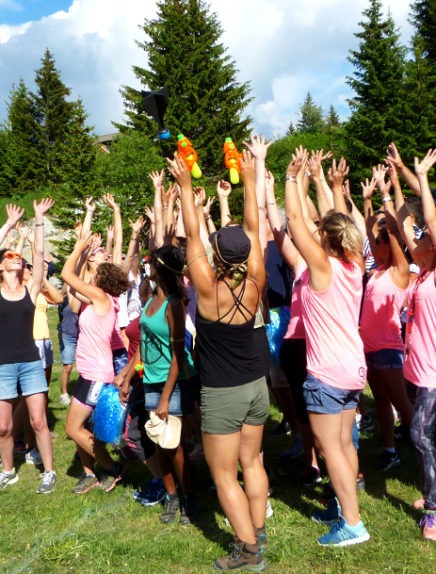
(236, 272)
(343, 238)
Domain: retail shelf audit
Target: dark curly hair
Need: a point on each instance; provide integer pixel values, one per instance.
(112, 279)
(169, 263)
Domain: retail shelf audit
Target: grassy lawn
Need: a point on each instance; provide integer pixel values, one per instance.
(109, 532)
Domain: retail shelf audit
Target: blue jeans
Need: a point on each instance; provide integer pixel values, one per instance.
(423, 433)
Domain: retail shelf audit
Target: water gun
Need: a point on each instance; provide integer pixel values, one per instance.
(139, 368)
(189, 155)
(231, 159)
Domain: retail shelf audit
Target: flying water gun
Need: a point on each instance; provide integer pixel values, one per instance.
(189, 155)
(231, 159)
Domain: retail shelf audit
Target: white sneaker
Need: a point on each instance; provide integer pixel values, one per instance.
(33, 457)
(8, 477)
(48, 481)
(269, 509)
(65, 399)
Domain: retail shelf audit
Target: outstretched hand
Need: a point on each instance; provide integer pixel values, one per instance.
(257, 146)
(422, 168)
(179, 170)
(368, 188)
(43, 206)
(14, 214)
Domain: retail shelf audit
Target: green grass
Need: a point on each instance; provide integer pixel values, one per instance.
(110, 532)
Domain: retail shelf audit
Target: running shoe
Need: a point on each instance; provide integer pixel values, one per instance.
(8, 477)
(48, 481)
(86, 482)
(342, 534)
(428, 526)
(388, 460)
(171, 508)
(153, 493)
(33, 457)
(109, 480)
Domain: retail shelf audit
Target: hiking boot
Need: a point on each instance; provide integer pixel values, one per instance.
(330, 515)
(8, 477)
(86, 482)
(428, 526)
(171, 508)
(153, 493)
(33, 457)
(242, 557)
(109, 479)
(342, 534)
(261, 539)
(187, 509)
(48, 481)
(388, 460)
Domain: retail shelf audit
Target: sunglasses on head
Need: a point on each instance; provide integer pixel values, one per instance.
(11, 256)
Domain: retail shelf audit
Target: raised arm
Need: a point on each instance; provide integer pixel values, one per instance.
(224, 189)
(40, 209)
(14, 214)
(89, 214)
(136, 227)
(337, 174)
(356, 216)
(157, 177)
(428, 205)
(117, 251)
(324, 195)
(407, 174)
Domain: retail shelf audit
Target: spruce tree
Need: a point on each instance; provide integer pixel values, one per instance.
(184, 54)
(378, 104)
(311, 117)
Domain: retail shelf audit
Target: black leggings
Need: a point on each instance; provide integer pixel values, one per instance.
(293, 363)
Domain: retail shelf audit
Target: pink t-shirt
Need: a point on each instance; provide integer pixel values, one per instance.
(380, 326)
(117, 341)
(296, 325)
(334, 347)
(420, 356)
(93, 353)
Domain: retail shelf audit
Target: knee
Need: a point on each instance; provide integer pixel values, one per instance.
(5, 429)
(39, 424)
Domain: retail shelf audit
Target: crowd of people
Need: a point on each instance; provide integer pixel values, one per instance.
(305, 308)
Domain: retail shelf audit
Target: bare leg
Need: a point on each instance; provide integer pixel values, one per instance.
(6, 439)
(36, 405)
(65, 378)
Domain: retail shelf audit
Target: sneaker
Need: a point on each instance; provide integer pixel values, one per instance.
(419, 504)
(197, 453)
(153, 493)
(428, 526)
(48, 481)
(86, 482)
(342, 534)
(295, 450)
(269, 510)
(242, 557)
(330, 515)
(311, 476)
(8, 477)
(172, 506)
(388, 460)
(366, 423)
(109, 480)
(65, 399)
(33, 457)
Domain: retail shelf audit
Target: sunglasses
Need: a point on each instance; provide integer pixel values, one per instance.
(12, 256)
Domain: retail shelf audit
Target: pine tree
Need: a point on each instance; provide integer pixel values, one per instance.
(378, 104)
(332, 120)
(421, 77)
(205, 100)
(311, 117)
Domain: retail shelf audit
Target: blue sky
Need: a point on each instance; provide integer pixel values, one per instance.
(14, 12)
(284, 48)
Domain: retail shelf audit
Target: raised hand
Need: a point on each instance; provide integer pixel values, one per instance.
(258, 146)
(179, 170)
(368, 188)
(157, 177)
(90, 204)
(223, 188)
(14, 214)
(149, 212)
(247, 166)
(422, 168)
(43, 206)
(109, 200)
(337, 173)
(137, 225)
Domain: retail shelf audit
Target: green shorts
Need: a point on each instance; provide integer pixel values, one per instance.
(224, 410)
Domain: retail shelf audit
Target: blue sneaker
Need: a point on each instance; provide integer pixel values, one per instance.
(342, 534)
(153, 493)
(330, 515)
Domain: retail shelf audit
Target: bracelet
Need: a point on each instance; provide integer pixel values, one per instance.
(164, 206)
(292, 178)
(39, 225)
(208, 217)
(271, 202)
(387, 198)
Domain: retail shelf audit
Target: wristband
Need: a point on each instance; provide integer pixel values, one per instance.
(292, 178)
(39, 225)
(387, 198)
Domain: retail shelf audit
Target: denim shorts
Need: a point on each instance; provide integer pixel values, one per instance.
(68, 349)
(225, 409)
(45, 349)
(120, 358)
(181, 401)
(22, 379)
(385, 359)
(328, 400)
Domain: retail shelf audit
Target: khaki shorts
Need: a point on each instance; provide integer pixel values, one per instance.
(224, 410)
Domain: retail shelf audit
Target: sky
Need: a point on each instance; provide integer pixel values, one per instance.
(284, 48)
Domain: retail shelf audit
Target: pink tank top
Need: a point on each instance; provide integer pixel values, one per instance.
(117, 341)
(296, 325)
(380, 326)
(94, 354)
(420, 356)
(334, 347)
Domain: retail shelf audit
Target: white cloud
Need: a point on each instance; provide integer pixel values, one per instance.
(285, 48)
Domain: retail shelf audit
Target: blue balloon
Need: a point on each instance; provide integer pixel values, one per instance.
(108, 415)
(276, 329)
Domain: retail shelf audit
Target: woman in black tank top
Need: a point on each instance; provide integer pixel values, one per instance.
(19, 357)
(234, 400)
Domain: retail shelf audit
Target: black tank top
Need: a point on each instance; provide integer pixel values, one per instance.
(16, 330)
(227, 353)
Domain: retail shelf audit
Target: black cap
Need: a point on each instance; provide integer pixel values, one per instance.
(231, 244)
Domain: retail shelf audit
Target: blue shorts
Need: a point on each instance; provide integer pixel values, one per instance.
(45, 349)
(385, 359)
(120, 358)
(328, 400)
(181, 401)
(67, 348)
(22, 379)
